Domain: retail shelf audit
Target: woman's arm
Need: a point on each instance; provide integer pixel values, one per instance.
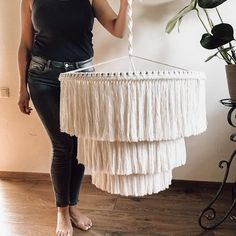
(114, 23)
(24, 52)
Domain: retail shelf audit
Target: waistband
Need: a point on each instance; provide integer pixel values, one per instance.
(62, 64)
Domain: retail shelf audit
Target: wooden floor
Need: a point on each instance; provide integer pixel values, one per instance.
(27, 208)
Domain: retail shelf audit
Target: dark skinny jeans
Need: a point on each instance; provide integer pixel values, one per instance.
(66, 172)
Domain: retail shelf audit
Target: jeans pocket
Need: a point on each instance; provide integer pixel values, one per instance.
(36, 66)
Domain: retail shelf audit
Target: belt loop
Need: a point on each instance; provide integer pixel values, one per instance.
(77, 65)
(49, 63)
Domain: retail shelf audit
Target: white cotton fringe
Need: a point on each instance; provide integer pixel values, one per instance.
(131, 126)
(125, 158)
(132, 185)
(133, 107)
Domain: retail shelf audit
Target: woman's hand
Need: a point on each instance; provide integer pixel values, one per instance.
(112, 22)
(124, 2)
(23, 102)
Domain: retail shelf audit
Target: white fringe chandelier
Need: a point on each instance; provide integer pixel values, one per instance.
(131, 125)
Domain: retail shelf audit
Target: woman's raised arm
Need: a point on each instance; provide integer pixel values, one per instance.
(114, 23)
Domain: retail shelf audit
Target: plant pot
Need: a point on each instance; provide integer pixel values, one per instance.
(231, 79)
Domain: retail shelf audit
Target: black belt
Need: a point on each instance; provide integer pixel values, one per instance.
(62, 64)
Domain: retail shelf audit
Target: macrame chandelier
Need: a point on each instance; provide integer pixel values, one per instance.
(131, 125)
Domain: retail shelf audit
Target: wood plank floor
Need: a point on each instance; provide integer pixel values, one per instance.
(27, 209)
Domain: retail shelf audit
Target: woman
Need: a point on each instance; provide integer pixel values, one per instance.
(56, 37)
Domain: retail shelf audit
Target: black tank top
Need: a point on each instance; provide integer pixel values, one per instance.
(63, 29)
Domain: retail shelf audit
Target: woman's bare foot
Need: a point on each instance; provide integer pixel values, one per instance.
(80, 220)
(64, 227)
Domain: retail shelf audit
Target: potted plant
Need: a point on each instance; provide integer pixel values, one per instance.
(218, 36)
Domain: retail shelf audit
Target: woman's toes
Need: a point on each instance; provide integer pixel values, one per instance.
(88, 224)
(64, 227)
(83, 227)
(64, 233)
(80, 220)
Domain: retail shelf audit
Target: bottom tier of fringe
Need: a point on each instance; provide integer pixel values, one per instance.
(132, 185)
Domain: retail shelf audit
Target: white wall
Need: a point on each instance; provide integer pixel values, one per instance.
(24, 145)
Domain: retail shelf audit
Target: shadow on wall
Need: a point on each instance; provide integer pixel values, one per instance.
(205, 151)
(157, 11)
(151, 17)
(149, 20)
(9, 33)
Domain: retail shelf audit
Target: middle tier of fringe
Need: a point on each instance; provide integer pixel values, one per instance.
(125, 158)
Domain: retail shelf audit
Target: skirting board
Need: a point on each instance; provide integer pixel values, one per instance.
(28, 176)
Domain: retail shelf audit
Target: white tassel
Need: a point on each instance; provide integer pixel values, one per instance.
(119, 109)
(131, 125)
(132, 185)
(123, 158)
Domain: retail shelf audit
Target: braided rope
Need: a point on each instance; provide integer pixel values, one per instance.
(130, 27)
(130, 35)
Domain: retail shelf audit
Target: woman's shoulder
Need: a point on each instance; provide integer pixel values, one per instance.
(28, 2)
(31, 3)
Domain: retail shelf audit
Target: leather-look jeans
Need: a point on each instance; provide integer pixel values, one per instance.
(44, 87)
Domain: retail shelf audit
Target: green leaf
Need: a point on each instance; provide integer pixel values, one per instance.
(210, 57)
(221, 35)
(226, 49)
(223, 31)
(210, 3)
(177, 19)
(209, 41)
(221, 50)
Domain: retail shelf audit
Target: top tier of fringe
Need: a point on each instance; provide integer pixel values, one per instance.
(133, 76)
(151, 110)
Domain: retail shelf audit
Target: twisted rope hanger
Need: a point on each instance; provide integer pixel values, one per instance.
(130, 47)
(130, 36)
(130, 27)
